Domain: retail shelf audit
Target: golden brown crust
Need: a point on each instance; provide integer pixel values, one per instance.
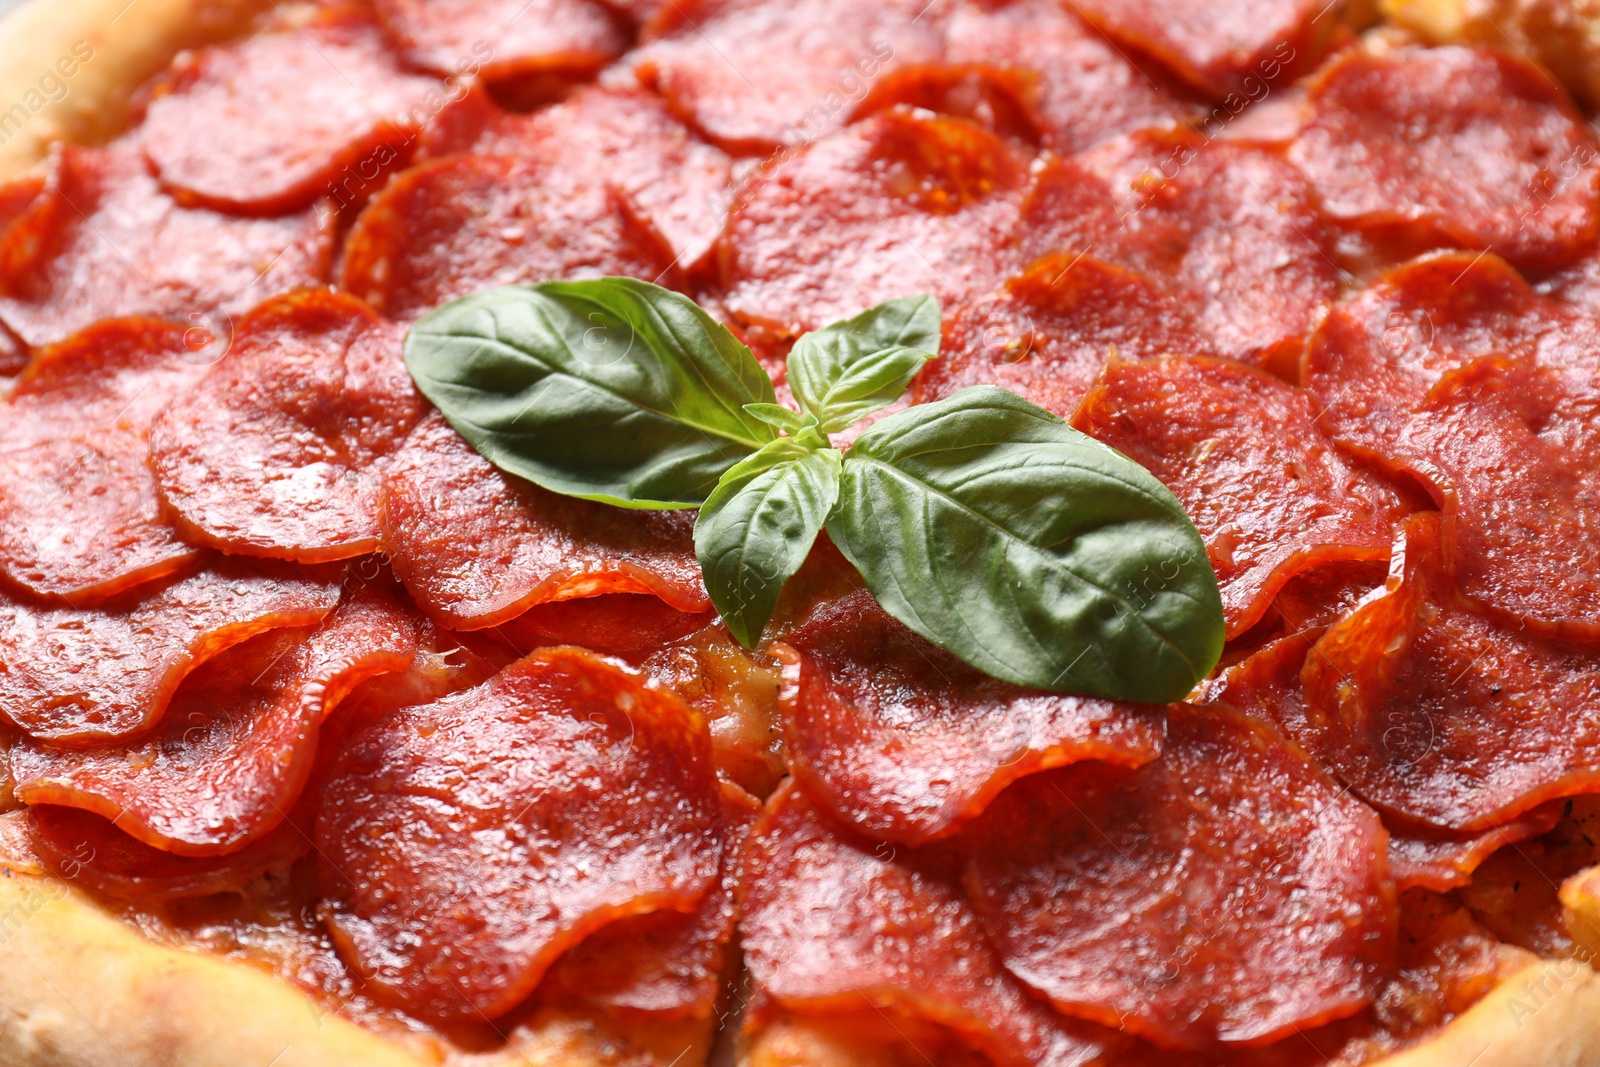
(1563, 35)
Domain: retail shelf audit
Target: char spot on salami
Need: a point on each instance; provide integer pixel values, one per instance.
(469, 842)
(1227, 891)
(477, 547)
(278, 452)
(503, 39)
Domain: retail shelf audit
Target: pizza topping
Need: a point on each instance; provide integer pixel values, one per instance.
(79, 517)
(456, 225)
(1432, 711)
(1264, 486)
(477, 547)
(102, 240)
(1227, 891)
(898, 204)
(503, 39)
(1401, 146)
(1443, 862)
(268, 124)
(834, 922)
(235, 745)
(278, 453)
(896, 736)
(468, 843)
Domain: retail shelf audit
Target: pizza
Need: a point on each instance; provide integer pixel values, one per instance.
(360, 708)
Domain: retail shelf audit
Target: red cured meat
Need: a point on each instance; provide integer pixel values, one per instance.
(1228, 891)
(102, 240)
(1244, 46)
(477, 547)
(900, 739)
(1320, 596)
(630, 625)
(1373, 360)
(665, 963)
(1443, 862)
(758, 74)
(899, 204)
(79, 517)
(457, 225)
(1049, 333)
(833, 922)
(503, 38)
(1263, 485)
(74, 676)
(236, 743)
(1442, 716)
(1475, 148)
(279, 451)
(468, 843)
(265, 125)
(988, 95)
(678, 181)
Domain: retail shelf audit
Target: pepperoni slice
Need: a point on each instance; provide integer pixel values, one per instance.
(266, 125)
(1442, 716)
(1246, 46)
(278, 453)
(629, 625)
(75, 676)
(560, 796)
(834, 922)
(79, 517)
(502, 39)
(1400, 146)
(236, 743)
(102, 240)
(1512, 452)
(1049, 333)
(758, 74)
(679, 182)
(1442, 862)
(1373, 360)
(477, 547)
(664, 963)
(899, 738)
(456, 225)
(1241, 450)
(1227, 891)
(899, 204)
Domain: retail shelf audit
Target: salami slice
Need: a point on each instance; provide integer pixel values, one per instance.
(629, 625)
(503, 39)
(898, 738)
(268, 124)
(279, 452)
(78, 676)
(102, 240)
(1228, 891)
(477, 547)
(1264, 486)
(560, 796)
(898, 204)
(1400, 146)
(1442, 862)
(834, 922)
(1442, 716)
(79, 516)
(453, 226)
(235, 746)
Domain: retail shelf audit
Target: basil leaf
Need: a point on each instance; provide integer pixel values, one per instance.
(758, 526)
(844, 372)
(1030, 550)
(611, 389)
(791, 422)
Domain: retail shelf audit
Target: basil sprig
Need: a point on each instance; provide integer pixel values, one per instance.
(984, 523)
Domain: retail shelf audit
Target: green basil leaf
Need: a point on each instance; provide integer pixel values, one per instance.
(1030, 550)
(757, 527)
(844, 372)
(791, 422)
(611, 389)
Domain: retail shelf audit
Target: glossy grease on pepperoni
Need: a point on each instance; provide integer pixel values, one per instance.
(469, 842)
(235, 746)
(477, 547)
(1227, 891)
(279, 451)
(903, 741)
(1442, 862)
(1265, 487)
(834, 922)
(503, 39)
(629, 625)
